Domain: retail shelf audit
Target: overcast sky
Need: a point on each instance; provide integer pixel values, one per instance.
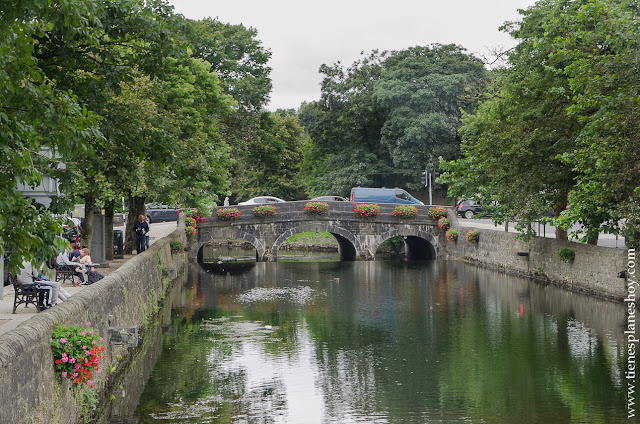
(303, 35)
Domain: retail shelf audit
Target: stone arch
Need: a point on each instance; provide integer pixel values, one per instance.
(348, 244)
(234, 233)
(419, 244)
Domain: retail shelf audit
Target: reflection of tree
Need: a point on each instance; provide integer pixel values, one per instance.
(523, 371)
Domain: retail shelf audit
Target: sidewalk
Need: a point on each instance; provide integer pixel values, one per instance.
(9, 321)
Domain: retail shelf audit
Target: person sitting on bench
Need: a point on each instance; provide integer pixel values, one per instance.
(64, 263)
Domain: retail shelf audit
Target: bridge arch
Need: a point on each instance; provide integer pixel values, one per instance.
(235, 233)
(348, 244)
(419, 244)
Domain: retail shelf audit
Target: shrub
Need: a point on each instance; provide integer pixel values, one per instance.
(437, 213)
(444, 223)
(176, 246)
(473, 236)
(451, 235)
(228, 214)
(566, 254)
(316, 208)
(405, 211)
(190, 231)
(76, 353)
(265, 211)
(366, 210)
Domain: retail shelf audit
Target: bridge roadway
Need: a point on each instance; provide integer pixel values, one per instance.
(358, 238)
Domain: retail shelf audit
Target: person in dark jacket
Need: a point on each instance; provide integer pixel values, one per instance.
(140, 229)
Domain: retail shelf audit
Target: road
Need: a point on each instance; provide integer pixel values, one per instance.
(605, 240)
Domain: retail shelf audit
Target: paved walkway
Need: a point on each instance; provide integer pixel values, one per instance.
(9, 321)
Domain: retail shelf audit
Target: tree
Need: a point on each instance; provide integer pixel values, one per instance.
(274, 158)
(35, 116)
(424, 90)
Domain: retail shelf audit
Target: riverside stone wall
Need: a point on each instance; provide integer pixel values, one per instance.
(29, 391)
(594, 270)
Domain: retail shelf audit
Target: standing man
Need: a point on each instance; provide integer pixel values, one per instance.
(140, 229)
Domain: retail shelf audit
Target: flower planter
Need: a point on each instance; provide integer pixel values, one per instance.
(405, 211)
(228, 214)
(316, 208)
(266, 211)
(367, 210)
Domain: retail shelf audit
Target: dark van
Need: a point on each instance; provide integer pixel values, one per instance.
(382, 195)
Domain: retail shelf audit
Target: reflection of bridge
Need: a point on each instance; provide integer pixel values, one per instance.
(358, 238)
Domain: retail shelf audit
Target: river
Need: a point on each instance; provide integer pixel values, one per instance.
(384, 341)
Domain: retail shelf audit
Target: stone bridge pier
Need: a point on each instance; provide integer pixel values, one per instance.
(358, 238)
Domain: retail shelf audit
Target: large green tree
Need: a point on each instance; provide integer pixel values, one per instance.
(388, 116)
(36, 116)
(559, 129)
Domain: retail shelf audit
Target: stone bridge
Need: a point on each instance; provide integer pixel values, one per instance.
(358, 238)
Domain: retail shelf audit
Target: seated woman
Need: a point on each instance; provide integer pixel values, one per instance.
(92, 274)
(63, 262)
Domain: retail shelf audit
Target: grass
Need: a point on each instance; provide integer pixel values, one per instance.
(311, 237)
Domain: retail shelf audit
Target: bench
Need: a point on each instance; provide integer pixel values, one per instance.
(64, 273)
(26, 293)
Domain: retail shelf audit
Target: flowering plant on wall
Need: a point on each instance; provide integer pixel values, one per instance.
(77, 353)
(316, 208)
(265, 211)
(176, 246)
(366, 210)
(444, 223)
(473, 236)
(437, 213)
(228, 214)
(194, 214)
(190, 231)
(451, 235)
(405, 211)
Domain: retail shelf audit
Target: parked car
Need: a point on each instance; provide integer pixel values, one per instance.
(161, 213)
(261, 200)
(468, 208)
(383, 195)
(329, 199)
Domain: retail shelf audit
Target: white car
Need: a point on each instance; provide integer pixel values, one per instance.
(262, 200)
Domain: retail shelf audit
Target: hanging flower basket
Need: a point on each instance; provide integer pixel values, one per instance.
(190, 231)
(405, 211)
(473, 236)
(228, 214)
(316, 208)
(451, 235)
(367, 210)
(266, 211)
(437, 213)
(77, 354)
(444, 223)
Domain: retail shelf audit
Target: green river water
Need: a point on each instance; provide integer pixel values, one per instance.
(384, 342)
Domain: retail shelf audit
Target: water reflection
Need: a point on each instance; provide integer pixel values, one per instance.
(336, 342)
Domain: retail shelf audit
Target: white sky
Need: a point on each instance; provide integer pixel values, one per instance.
(302, 35)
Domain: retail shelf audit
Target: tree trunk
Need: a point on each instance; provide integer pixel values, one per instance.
(593, 241)
(136, 208)
(108, 228)
(561, 233)
(87, 227)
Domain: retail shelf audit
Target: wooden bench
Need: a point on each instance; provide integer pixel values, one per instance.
(26, 293)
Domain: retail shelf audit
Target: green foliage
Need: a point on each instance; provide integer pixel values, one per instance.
(444, 223)
(309, 237)
(452, 235)
(566, 254)
(381, 120)
(560, 126)
(394, 244)
(77, 353)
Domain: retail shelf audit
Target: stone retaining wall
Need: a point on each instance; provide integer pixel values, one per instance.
(594, 270)
(29, 391)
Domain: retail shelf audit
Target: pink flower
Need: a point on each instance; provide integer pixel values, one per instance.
(89, 382)
(75, 374)
(91, 332)
(64, 374)
(63, 340)
(72, 360)
(64, 354)
(88, 323)
(65, 359)
(84, 333)
(101, 339)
